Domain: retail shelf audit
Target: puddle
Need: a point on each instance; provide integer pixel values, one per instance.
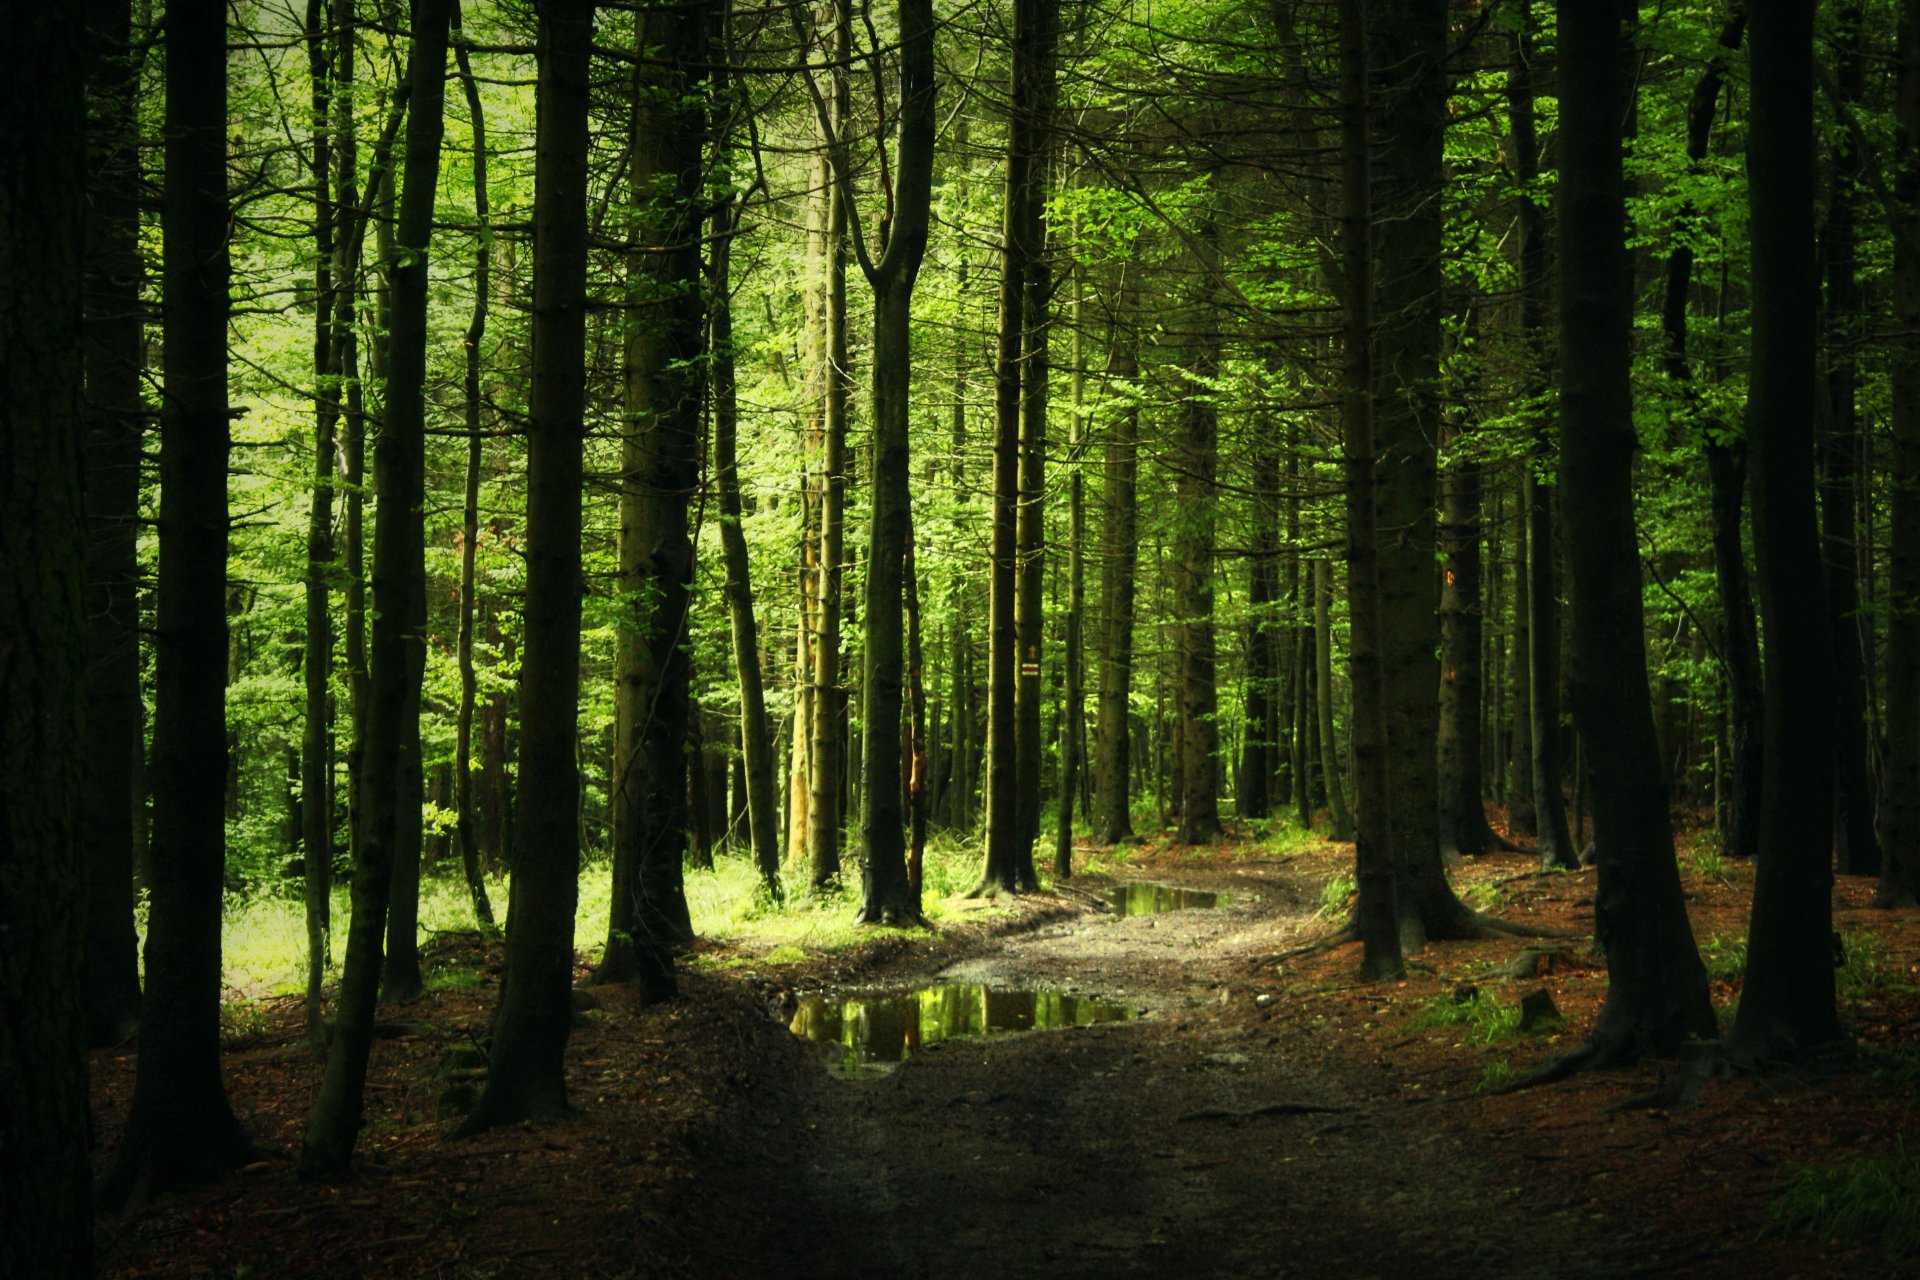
(888, 1028)
(1140, 899)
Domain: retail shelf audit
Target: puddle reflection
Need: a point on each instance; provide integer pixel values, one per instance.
(1140, 899)
(888, 1028)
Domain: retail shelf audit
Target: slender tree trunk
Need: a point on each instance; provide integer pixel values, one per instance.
(1074, 710)
(826, 805)
(1656, 992)
(526, 1075)
(1377, 916)
(399, 643)
(181, 1127)
(1521, 813)
(1118, 562)
(1839, 454)
(1536, 478)
(46, 945)
(1900, 794)
(1253, 788)
(1787, 1006)
(115, 425)
(1322, 672)
(1197, 447)
(470, 859)
(756, 731)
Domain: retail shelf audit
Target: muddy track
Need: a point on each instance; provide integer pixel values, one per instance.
(1190, 1141)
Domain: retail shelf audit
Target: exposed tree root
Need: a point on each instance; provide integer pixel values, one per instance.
(1340, 937)
(1264, 1109)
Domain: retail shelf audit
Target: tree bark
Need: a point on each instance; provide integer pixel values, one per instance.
(1377, 916)
(1839, 456)
(1656, 993)
(46, 943)
(660, 461)
(1118, 562)
(1074, 696)
(181, 1127)
(116, 739)
(1322, 674)
(1787, 1006)
(1197, 448)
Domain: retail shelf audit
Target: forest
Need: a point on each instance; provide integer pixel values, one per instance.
(1275, 619)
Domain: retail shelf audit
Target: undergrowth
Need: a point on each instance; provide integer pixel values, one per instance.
(1485, 1019)
(1863, 1198)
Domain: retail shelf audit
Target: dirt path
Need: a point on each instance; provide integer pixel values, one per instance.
(1178, 1143)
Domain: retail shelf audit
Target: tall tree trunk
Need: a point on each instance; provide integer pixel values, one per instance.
(660, 459)
(1197, 448)
(1900, 799)
(1259, 753)
(470, 858)
(1119, 558)
(399, 642)
(1375, 869)
(526, 1075)
(1521, 813)
(1013, 775)
(756, 731)
(1463, 818)
(46, 944)
(826, 807)
(1408, 39)
(116, 419)
(1536, 477)
(181, 1127)
(1839, 454)
(1074, 709)
(1656, 991)
(1787, 1006)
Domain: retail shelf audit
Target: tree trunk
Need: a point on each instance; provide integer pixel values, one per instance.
(1322, 671)
(756, 731)
(1375, 869)
(399, 643)
(1197, 448)
(47, 946)
(1074, 708)
(1119, 559)
(660, 461)
(116, 423)
(526, 1075)
(1253, 790)
(1463, 818)
(1656, 992)
(1408, 47)
(1900, 796)
(1787, 1005)
(1536, 477)
(826, 804)
(181, 1127)
(1521, 813)
(470, 859)
(1839, 454)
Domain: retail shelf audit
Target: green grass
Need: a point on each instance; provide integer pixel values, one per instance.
(1484, 897)
(1725, 957)
(1484, 1019)
(1337, 893)
(1495, 1075)
(1860, 1199)
(264, 936)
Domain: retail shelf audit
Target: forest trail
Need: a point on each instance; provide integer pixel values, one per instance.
(1163, 1145)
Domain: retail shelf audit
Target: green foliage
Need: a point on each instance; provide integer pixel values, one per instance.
(1337, 894)
(1866, 1198)
(1725, 958)
(1497, 1074)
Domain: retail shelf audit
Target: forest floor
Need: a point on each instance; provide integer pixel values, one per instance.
(1249, 1117)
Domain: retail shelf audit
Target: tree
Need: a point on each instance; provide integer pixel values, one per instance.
(1377, 918)
(398, 652)
(181, 1127)
(1656, 991)
(47, 1227)
(1118, 557)
(660, 462)
(117, 418)
(1197, 450)
(1787, 1004)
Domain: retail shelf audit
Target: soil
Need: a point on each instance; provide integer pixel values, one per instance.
(1258, 1117)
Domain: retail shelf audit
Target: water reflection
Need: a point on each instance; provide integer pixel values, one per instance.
(1140, 899)
(888, 1028)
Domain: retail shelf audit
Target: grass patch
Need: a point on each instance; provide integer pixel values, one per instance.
(1725, 958)
(1336, 894)
(455, 978)
(1865, 1198)
(1704, 859)
(1485, 897)
(1484, 1019)
(1495, 1075)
